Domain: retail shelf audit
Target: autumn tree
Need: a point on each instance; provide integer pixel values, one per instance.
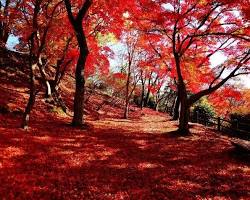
(33, 28)
(8, 16)
(98, 21)
(77, 24)
(34, 58)
(130, 58)
(195, 31)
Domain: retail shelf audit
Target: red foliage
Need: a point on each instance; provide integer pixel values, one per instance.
(117, 159)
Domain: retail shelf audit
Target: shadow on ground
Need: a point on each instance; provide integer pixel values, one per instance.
(118, 159)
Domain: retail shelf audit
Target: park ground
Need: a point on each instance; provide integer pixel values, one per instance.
(113, 158)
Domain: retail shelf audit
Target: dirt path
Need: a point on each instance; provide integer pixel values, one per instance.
(118, 159)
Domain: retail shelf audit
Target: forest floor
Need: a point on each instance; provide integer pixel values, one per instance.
(113, 158)
(138, 158)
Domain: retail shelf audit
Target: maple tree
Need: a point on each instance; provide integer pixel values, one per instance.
(41, 29)
(174, 43)
(77, 24)
(244, 103)
(166, 49)
(195, 31)
(98, 21)
(33, 28)
(7, 19)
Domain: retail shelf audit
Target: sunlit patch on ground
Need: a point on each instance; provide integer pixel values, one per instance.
(147, 165)
(11, 152)
(136, 158)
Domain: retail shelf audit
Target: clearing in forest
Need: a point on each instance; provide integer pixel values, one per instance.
(113, 158)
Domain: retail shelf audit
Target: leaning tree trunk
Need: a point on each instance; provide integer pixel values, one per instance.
(32, 97)
(48, 93)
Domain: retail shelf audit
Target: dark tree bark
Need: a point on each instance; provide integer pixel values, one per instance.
(79, 73)
(180, 46)
(45, 81)
(60, 71)
(142, 91)
(4, 27)
(148, 91)
(167, 101)
(32, 98)
(79, 76)
(33, 63)
(184, 111)
(176, 107)
(173, 104)
(37, 43)
(186, 102)
(126, 110)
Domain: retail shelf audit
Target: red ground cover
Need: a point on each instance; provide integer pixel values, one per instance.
(139, 158)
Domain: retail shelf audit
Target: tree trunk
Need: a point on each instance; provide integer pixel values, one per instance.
(4, 35)
(167, 102)
(79, 76)
(32, 98)
(126, 110)
(77, 23)
(4, 27)
(183, 128)
(173, 105)
(157, 106)
(45, 81)
(148, 93)
(184, 111)
(79, 94)
(176, 107)
(142, 96)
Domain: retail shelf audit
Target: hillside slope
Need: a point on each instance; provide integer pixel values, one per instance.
(14, 92)
(113, 158)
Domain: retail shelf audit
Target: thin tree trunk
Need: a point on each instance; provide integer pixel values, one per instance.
(167, 101)
(4, 35)
(157, 106)
(176, 113)
(33, 63)
(32, 98)
(142, 90)
(4, 28)
(126, 110)
(148, 93)
(45, 81)
(173, 105)
(142, 96)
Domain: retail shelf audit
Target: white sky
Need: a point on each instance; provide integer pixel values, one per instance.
(216, 59)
